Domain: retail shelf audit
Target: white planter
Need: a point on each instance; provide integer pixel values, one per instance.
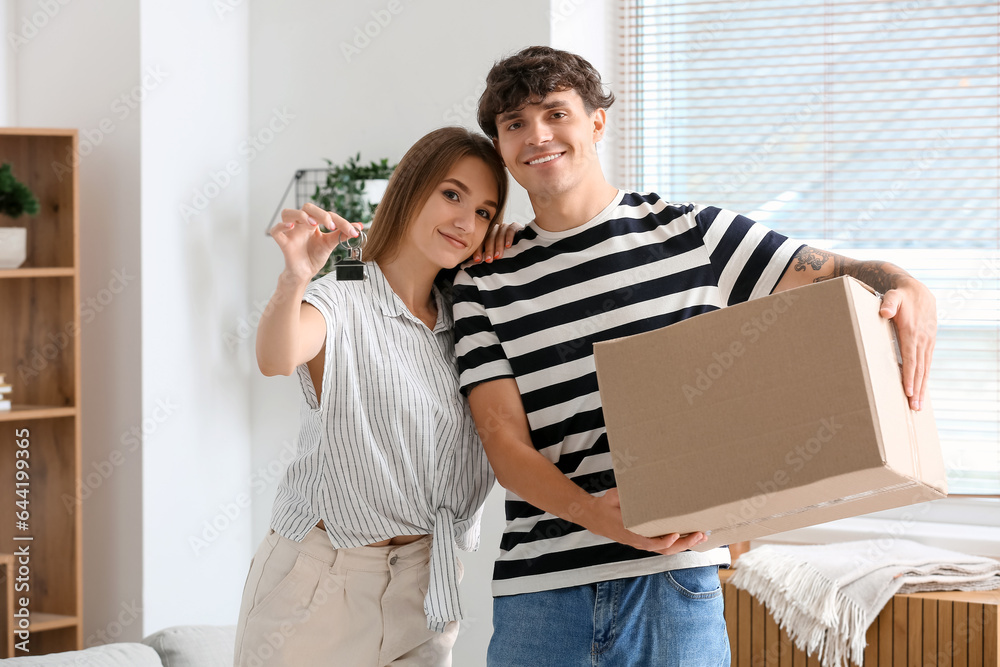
(13, 247)
(374, 190)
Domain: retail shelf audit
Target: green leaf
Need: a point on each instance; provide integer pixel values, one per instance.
(15, 197)
(344, 186)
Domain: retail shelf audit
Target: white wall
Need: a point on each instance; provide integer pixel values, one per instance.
(169, 379)
(195, 228)
(8, 64)
(165, 402)
(589, 28)
(72, 70)
(423, 69)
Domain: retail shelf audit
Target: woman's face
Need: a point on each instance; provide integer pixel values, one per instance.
(453, 222)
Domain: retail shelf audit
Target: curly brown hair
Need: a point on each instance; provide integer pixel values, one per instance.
(531, 74)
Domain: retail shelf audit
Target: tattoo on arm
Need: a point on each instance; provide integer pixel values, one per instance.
(815, 259)
(882, 276)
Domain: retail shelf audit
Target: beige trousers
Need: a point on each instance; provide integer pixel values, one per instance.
(306, 604)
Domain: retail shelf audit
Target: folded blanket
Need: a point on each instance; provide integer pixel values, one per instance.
(826, 596)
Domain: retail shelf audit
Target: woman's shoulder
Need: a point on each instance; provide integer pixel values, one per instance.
(336, 293)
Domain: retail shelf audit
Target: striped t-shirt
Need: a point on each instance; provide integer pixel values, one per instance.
(390, 448)
(534, 315)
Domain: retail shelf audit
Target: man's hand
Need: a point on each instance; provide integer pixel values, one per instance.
(607, 522)
(905, 300)
(914, 310)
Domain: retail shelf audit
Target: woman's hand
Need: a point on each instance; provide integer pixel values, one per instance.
(500, 237)
(305, 247)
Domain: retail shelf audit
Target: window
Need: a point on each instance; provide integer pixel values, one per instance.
(866, 128)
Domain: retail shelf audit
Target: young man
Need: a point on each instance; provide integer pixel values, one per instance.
(572, 586)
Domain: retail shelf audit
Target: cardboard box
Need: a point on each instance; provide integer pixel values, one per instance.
(779, 413)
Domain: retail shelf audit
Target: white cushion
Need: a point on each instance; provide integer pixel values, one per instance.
(121, 654)
(195, 645)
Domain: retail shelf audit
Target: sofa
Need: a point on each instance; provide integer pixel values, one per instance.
(178, 646)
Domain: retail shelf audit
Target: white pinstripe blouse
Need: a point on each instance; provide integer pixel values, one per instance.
(390, 448)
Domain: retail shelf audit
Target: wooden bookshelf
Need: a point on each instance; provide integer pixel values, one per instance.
(40, 356)
(22, 412)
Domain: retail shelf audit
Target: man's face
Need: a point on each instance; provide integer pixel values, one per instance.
(549, 145)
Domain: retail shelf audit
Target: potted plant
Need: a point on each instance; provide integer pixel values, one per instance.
(352, 190)
(15, 200)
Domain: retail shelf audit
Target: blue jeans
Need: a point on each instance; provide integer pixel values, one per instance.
(659, 620)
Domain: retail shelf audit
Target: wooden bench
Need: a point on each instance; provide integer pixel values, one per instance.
(950, 629)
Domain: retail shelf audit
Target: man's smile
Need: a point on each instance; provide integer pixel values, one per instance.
(545, 158)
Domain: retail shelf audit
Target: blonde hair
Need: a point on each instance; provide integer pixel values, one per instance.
(420, 171)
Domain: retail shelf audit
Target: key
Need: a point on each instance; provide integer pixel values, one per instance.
(351, 267)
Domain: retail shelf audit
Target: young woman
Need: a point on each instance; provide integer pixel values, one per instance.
(359, 566)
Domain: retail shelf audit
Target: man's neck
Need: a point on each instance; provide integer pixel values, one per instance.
(572, 209)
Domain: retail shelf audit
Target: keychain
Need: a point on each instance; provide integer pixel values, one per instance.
(351, 268)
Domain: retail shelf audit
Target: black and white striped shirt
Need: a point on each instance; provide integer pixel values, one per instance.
(535, 314)
(390, 449)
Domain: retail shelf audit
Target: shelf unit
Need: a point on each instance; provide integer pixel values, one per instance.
(40, 356)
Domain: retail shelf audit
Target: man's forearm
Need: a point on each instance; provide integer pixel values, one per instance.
(536, 480)
(880, 275)
(520, 468)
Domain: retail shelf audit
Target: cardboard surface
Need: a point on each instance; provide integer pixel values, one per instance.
(778, 413)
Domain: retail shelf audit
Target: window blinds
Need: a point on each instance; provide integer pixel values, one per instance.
(866, 128)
